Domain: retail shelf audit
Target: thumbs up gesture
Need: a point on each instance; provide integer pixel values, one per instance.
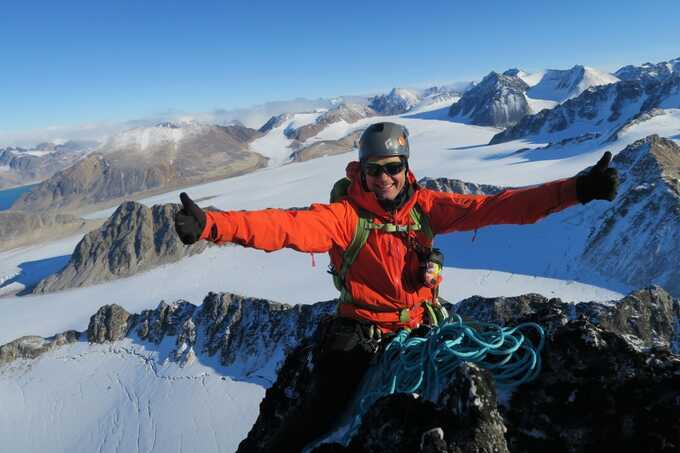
(189, 221)
(600, 183)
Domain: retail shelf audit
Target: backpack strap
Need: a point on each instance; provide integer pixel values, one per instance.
(361, 232)
(363, 229)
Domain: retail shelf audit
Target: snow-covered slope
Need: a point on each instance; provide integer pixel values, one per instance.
(122, 397)
(275, 144)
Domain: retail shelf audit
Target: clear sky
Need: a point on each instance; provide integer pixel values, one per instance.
(71, 62)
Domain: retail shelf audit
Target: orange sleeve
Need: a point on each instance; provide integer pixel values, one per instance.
(315, 229)
(455, 212)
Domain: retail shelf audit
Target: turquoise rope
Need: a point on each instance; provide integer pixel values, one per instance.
(425, 365)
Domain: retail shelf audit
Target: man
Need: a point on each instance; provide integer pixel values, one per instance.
(383, 290)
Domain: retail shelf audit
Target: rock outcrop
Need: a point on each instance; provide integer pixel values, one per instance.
(145, 160)
(628, 348)
(498, 100)
(30, 347)
(134, 239)
(252, 335)
(275, 121)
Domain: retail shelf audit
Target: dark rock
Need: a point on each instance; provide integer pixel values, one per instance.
(604, 383)
(110, 323)
(498, 100)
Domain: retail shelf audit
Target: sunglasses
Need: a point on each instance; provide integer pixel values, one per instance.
(392, 168)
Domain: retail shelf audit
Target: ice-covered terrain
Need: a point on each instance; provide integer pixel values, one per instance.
(124, 397)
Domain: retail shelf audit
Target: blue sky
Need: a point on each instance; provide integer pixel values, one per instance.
(76, 62)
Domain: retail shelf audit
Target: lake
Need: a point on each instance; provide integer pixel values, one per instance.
(8, 196)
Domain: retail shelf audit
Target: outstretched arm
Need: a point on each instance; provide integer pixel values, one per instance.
(454, 212)
(315, 229)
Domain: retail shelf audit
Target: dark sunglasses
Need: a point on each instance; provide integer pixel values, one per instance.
(393, 168)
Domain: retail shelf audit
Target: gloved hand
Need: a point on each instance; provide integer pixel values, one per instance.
(189, 221)
(600, 183)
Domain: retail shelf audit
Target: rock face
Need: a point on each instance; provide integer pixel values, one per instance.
(600, 366)
(134, 239)
(250, 334)
(275, 121)
(603, 110)
(638, 238)
(648, 72)
(498, 100)
(347, 112)
(146, 159)
(327, 147)
(21, 228)
(20, 166)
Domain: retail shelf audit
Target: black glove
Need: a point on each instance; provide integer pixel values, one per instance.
(189, 221)
(600, 183)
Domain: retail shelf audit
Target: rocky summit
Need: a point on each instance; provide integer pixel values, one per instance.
(610, 377)
(610, 380)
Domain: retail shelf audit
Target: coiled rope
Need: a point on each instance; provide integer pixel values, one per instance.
(424, 365)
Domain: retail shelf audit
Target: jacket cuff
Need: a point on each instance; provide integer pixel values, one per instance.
(209, 225)
(568, 191)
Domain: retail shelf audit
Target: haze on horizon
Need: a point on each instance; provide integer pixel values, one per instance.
(82, 69)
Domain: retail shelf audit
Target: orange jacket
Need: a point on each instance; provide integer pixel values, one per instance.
(380, 280)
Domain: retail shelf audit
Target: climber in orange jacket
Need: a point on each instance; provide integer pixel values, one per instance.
(385, 286)
(383, 280)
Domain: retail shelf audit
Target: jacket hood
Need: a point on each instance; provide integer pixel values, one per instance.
(368, 201)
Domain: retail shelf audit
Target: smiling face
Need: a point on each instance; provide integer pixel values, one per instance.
(384, 185)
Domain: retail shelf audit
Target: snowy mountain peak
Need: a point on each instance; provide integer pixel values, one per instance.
(399, 100)
(143, 138)
(498, 100)
(559, 85)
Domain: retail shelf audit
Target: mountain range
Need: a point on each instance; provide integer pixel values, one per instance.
(124, 339)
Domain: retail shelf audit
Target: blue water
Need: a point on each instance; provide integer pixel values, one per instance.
(8, 196)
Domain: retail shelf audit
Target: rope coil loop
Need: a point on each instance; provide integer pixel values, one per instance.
(424, 365)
